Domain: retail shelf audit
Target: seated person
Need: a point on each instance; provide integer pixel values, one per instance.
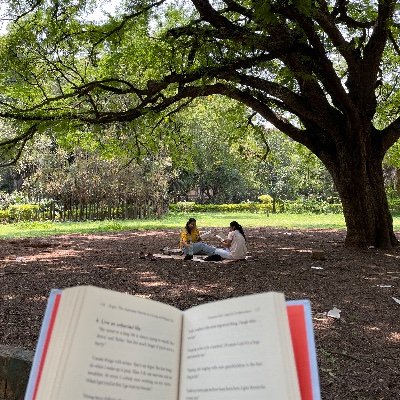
(191, 243)
(235, 245)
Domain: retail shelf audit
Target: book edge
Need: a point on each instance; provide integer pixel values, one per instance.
(312, 353)
(44, 337)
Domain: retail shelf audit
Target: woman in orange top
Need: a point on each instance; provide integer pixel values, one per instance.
(191, 243)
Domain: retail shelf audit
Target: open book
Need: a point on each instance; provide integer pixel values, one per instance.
(221, 237)
(98, 344)
(207, 234)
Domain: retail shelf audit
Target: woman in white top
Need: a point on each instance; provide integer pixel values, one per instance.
(235, 243)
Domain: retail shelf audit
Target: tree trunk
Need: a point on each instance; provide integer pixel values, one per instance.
(358, 175)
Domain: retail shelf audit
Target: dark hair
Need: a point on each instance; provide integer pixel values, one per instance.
(188, 228)
(237, 227)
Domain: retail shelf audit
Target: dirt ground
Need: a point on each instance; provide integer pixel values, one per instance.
(358, 354)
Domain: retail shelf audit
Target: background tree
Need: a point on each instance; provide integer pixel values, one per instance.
(392, 170)
(322, 72)
(83, 183)
(288, 171)
(215, 128)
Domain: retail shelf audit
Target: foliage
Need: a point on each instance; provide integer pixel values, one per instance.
(8, 199)
(394, 205)
(265, 199)
(287, 170)
(215, 127)
(104, 73)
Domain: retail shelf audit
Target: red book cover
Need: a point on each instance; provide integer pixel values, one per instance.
(302, 333)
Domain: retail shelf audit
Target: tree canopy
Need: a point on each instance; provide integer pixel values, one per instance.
(322, 72)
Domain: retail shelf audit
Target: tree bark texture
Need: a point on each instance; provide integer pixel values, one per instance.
(358, 175)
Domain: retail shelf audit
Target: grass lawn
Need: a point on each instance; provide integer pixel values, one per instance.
(204, 220)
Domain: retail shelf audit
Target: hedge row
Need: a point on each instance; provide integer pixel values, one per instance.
(19, 213)
(292, 207)
(35, 212)
(188, 206)
(309, 206)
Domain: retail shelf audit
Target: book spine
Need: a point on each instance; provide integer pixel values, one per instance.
(43, 343)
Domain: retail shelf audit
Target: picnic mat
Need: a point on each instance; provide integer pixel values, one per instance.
(196, 258)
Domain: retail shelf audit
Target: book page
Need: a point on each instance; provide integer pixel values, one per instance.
(221, 237)
(122, 348)
(238, 349)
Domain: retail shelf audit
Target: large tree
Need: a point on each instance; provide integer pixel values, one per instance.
(322, 72)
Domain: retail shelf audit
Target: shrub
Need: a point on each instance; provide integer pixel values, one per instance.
(265, 199)
(312, 206)
(301, 206)
(197, 208)
(4, 216)
(182, 206)
(394, 205)
(22, 212)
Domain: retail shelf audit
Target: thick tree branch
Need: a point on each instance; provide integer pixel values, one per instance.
(394, 43)
(327, 23)
(341, 15)
(376, 45)
(20, 140)
(316, 63)
(238, 8)
(212, 16)
(294, 103)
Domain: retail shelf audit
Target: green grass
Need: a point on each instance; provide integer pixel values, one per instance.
(204, 220)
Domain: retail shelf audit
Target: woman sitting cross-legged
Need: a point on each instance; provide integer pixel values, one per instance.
(191, 243)
(236, 248)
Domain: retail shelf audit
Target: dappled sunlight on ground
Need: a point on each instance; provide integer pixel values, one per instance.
(394, 337)
(151, 280)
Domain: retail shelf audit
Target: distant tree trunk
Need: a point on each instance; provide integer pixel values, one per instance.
(274, 204)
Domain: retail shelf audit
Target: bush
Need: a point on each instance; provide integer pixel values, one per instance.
(394, 205)
(4, 216)
(19, 213)
(312, 206)
(22, 212)
(265, 199)
(182, 206)
(301, 206)
(197, 208)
